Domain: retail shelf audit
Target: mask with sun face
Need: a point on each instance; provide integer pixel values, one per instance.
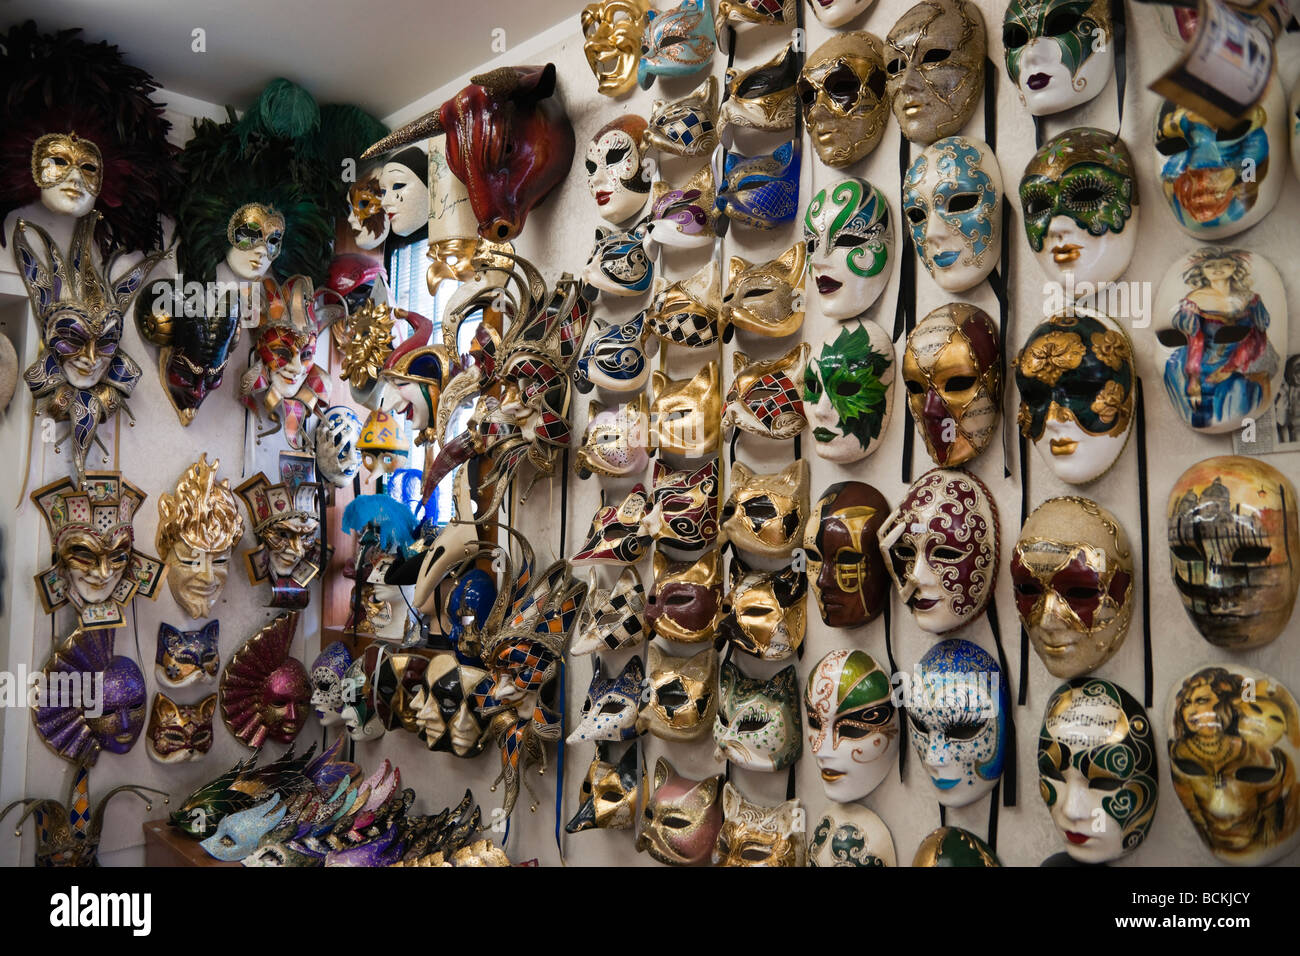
(757, 723)
(765, 513)
(610, 710)
(688, 126)
(687, 413)
(842, 89)
(762, 297)
(685, 604)
(608, 795)
(1059, 53)
(682, 817)
(682, 702)
(934, 55)
(754, 835)
(765, 612)
(845, 571)
(763, 398)
(848, 391)
(850, 239)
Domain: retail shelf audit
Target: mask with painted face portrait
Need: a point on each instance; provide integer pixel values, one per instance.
(762, 297)
(105, 708)
(848, 391)
(684, 217)
(266, 693)
(187, 657)
(616, 358)
(678, 42)
(687, 413)
(445, 717)
(607, 799)
(404, 191)
(853, 728)
(255, 234)
(684, 515)
(934, 55)
(683, 701)
(1058, 52)
(614, 442)
(842, 90)
(765, 513)
(762, 97)
(681, 819)
(850, 241)
(757, 722)
(687, 312)
(614, 174)
(612, 619)
(688, 126)
(685, 604)
(845, 571)
(618, 264)
(612, 31)
(754, 835)
(761, 191)
(763, 398)
(327, 672)
(616, 535)
(180, 732)
(765, 612)
(69, 172)
(848, 834)
(610, 710)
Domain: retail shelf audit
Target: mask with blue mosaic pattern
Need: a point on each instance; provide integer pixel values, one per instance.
(618, 264)
(686, 127)
(238, 834)
(762, 191)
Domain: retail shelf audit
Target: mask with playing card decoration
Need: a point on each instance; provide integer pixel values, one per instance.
(616, 535)
(610, 710)
(688, 126)
(757, 724)
(765, 612)
(611, 619)
(763, 398)
(763, 297)
(754, 835)
(608, 794)
(1059, 53)
(682, 817)
(286, 521)
(687, 312)
(934, 55)
(683, 698)
(687, 413)
(686, 600)
(764, 513)
(615, 439)
(842, 89)
(850, 240)
(615, 359)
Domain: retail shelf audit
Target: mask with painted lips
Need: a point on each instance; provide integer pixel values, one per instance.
(1058, 52)
(934, 55)
(848, 389)
(850, 241)
(614, 174)
(842, 90)
(404, 194)
(853, 726)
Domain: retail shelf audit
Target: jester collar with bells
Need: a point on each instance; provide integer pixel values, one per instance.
(80, 375)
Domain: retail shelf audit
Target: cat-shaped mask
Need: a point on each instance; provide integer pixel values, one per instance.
(688, 126)
(765, 513)
(611, 619)
(686, 414)
(762, 297)
(686, 600)
(754, 835)
(615, 440)
(180, 732)
(608, 794)
(187, 657)
(764, 395)
(685, 217)
(765, 612)
(757, 724)
(616, 535)
(678, 42)
(686, 312)
(682, 817)
(616, 358)
(763, 97)
(618, 264)
(685, 512)
(761, 191)
(683, 700)
(610, 710)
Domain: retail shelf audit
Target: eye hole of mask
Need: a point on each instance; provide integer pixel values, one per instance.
(916, 388)
(672, 696)
(1171, 145)
(918, 725)
(591, 168)
(1191, 768)
(916, 214)
(959, 383)
(680, 600)
(755, 853)
(1255, 774)
(965, 729)
(1186, 552)
(611, 797)
(1108, 784)
(904, 552)
(616, 155)
(1230, 334)
(963, 202)
(612, 707)
(756, 612)
(1171, 338)
(936, 55)
(1029, 587)
(1081, 593)
(1061, 22)
(1251, 554)
(876, 83)
(675, 821)
(1037, 205)
(760, 509)
(751, 723)
(945, 553)
(896, 66)
(1014, 36)
(754, 293)
(843, 85)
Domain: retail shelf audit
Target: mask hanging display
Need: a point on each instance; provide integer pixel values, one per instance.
(614, 174)
(761, 192)
(848, 834)
(194, 350)
(366, 215)
(1079, 196)
(850, 240)
(836, 13)
(616, 357)
(198, 526)
(687, 413)
(941, 549)
(1097, 769)
(1217, 316)
(383, 445)
(286, 522)
(952, 198)
(1232, 529)
(842, 89)
(1073, 576)
(337, 436)
(764, 513)
(404, 194)
(108, 717)
(848, 391)
(682, 817)
(934, 55)
(1076, 376)
(96, 568)
(360, 712)
(1234, 739)
(677, 42)
(957, 720)
(414, 375)
(684, 217)
(853, 726)
(762, 297)
(608, 797)
(683, 702)
(684, 513)
(615, 440)
(180, 732)
(763, 97)
(763, 398)
(254, 235)
(618, 264)
(469, 607)
(686, 601)
(364, 338)
(741, 12)
(610, 710)
(445, 717)
(765, 612)
(688, 126)
(1221, 182)
(687, 313)
(328, 692)
(398, 683)
(755, 835)
(757, 721)
(265, 692)
(1059, 53)
(612, 619)
(617, 535)
(187, 657)
(952, 368)
(846, 573)
(953, 846)
(612, 31)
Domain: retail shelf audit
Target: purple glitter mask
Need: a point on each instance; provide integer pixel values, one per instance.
(96, 702)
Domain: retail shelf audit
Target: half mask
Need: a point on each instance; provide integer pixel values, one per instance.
(187, 657)
(848, 391)
(615, 358)
(286, 521)
(686, 414)
(100, 702)
(934, 55)
(180, 732)
(757, 722)
(688, 126)
(681, 817)
(607, 799)
(327, 673)
(616, 535)
(612, 618)
(763, 398)
(610, 710)
(764, 513)
(846, 573)
(754, 835)
(685, 507)
(848, 834)
(618, 264)
(836, 13)
(1059, 53)
(612, 32)
(842, 91)
(686, 600)
(763, 97)
(684, 217)
(265, 692)
(761, 191)
(683, 699)
(853, 726)
(763, 297)
(615, 440)
(199, 524)
(678, 42)
(614, 174)
(686, 312)
(765, 612)
(850, 240)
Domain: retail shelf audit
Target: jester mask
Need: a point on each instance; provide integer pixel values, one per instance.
(286, 521)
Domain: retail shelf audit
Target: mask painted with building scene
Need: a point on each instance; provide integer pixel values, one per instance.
(853, 727)
(327, 693)
(842, 92)
(765, 514)
(763, 397)
(1059, 53)
(762, 297)
(614, 174)
(1232, 530)
(688, 126)
(684, 515)
(678, 41)
(615, 359)
(618, 264)
(616, 535)
(953, 846)
(687, 312)
(1097, 769)
(846, 573)
(761, 191)
(686, 600)
(180, 732)
(755, 835)
(187, 657)
(934, 55)
(615, 440)
(612, 32)
(683, 699)
(611, 619)
(763, 97)
(610, 710)
(687, 413)
(848, 391)
(607, 799)
(952, 367)
(757, 722)
(850, 239)
(681, 819)
(765, 612)
(848, 834)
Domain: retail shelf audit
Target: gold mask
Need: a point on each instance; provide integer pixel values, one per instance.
(842, 88)
(764, 298)
(608, 794)
(765, 611)
(686, 313)
(765, 514)
(687, 413)
(754, 835)
(56, 156)
(683, 696)
(198, 526)
(686, 601)
(612, 31)
(763, 97)
(254, 223)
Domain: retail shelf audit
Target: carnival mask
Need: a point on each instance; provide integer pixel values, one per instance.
(685, 217)
(850, 243)
(610, 710)
(327, 672)
(414, 376)
(685, 507)
(366, 214)
(848, 391)
(761, 191)
(180, 732)
(198, 526)
(754, 835)
(100, 699)
(286, 521)
(1232, 533)
(614, 174)
(615, 359)
(689, 126)
(384, 444)
(187, 657)
(1219, 182)
(683, 700)
(851, 835)
(953, 846)
(1218, 313)
(762, 297)
(239, 833)
(445, 715)
(615, 440)
(757, 721)
(255, 235)
(764, 398)
(941, 549)
(1058, 52)
(399, 688)
(687, 313)
(1097, 769)
(1080, 201)
(469, 607)
(685, 603)
(765, 514)
(763, 97)
(952, 198)
(952, 368)
(1234, 740)
(845, 571)
(842, 88)
(682, 817)
(194, 348)
(836, 13)
(764, 611)
(265, 692)
(677, 42)
(404, 194)
(617, 535)
(338, 457)
(853, 727)
(618, 264)
(934, 55)
(69, 171)
(957, 719)
(686, 414)
(1073, 576)
(741, 12)
(611, 620)
(608, 794)
(612, 31)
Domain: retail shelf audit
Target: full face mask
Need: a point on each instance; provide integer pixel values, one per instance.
(851, 835)
(187, 657)
(754, 835)
(1073, 575)
(366, 215)
(757, 722)
(953, 372)
(689, 126)
(1234, 737)
(853, 727)
(612, 31)
(765, 612)
(194, 350)
(686, 600)
(615, 359)
(1218, 313)
(845, 571)
(682, 817)
(762, 191)
(198, 526)
(1059, 52)
(957, 720)
(762, 297)
(107, 716)
(255, 236)
(610, 710)
(286, 521)
(685, 507)
(952, 198)
(764, 513)
(614, 174)
(678, 42)
(763, 97)
(1232, 527)
(763, 398)
(687, 312)
(444, 714)
(953, 846)
(848, 391)
(69, 172)
(1079, 196)
(1097, 769)
(404, 192)
(850, 242)
(686, 414)
(684, 217)
(836, 13)
(338, 459)
(612, 619)
(842, 90)
(1220, 182)
(618, 264)
(615, 440)
(616, 535)
(327, 693)
(934, 55)
(265, 693)
(683, 702)
(180, 732)
(1077, 400)
(607, 799)
(941, 549)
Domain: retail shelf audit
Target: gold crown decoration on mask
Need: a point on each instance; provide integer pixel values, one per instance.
(201, 511)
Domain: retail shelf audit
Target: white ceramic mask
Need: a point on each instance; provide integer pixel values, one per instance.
(836, 13)
(848, 834)
(853, 726)
(338, 458)
(1059, 53)
(614, 175)
(848, 391)
(850, 238)
(405, 199)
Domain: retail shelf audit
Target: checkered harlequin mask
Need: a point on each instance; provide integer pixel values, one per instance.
(764, 397)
